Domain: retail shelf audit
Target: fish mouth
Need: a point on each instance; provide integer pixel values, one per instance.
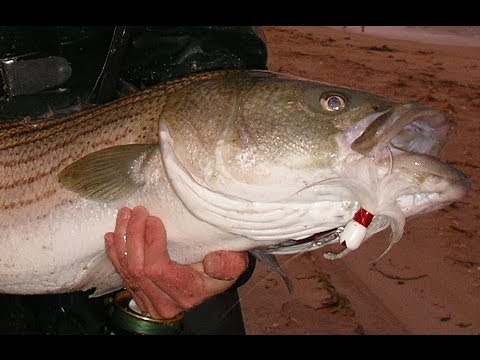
(410, 128)
(410, 139)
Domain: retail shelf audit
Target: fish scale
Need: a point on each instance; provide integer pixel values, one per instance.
(233, 160)
(47, 145)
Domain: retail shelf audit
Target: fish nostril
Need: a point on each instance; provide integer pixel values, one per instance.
(375, 107)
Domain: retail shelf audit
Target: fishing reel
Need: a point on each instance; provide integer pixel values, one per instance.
(127, 318)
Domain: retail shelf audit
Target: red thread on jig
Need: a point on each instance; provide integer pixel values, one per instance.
(363, 217)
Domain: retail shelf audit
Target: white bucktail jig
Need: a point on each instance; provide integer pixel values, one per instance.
(354, 232)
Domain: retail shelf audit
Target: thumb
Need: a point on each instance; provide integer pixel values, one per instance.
(225, 265)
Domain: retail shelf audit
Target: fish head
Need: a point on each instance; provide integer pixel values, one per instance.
(275, 157)
(392, 163)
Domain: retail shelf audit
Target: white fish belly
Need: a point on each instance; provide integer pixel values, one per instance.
(65, 251)
(55, 253)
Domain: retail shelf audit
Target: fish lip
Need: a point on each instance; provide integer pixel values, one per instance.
(411, 128)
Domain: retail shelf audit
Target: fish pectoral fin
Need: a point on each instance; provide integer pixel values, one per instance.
(108, 174)
(271, 262)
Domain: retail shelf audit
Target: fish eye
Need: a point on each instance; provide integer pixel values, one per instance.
(332, 102)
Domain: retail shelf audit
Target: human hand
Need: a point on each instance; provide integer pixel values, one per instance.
(161, 287)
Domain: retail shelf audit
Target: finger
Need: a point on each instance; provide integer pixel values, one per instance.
(153, 300)
(159, 305)
(111, 251)
(118, 243)
(143, 302)
(120, 233)
(225, 265)
(175, 287)
(135, 242)
(212, 286)
(115, 248)
(164, 307)
(140, 299)
(181, 283)
(155, 232)
(133, 265)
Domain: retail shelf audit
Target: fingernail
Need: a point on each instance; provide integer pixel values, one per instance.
(214, 264)
(124, 213)
(140, 208)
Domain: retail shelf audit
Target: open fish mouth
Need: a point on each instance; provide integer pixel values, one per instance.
(411, 138)
(409, 128)
(406, 143)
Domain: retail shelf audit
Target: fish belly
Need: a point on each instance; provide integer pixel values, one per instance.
(64, 251)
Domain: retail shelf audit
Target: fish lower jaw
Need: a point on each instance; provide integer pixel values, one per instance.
(423, 202)
(433, 193)
(416, 202)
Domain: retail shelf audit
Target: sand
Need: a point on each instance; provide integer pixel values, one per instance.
(429, 283)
